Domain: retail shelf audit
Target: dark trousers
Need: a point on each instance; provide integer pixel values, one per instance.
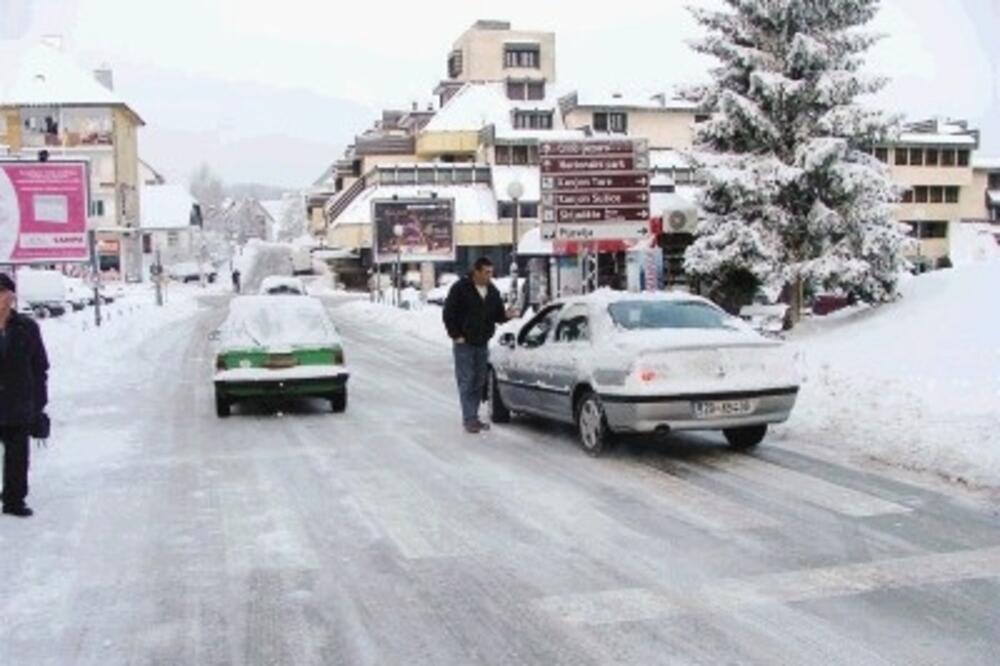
(470, 374)
(15, 464)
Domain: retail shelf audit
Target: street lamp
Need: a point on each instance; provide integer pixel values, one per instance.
(515, 190)
(397, 231)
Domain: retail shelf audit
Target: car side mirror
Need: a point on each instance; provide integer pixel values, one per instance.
(507, 340)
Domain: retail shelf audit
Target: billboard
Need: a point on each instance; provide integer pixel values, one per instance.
(43, 212)
(413, 230)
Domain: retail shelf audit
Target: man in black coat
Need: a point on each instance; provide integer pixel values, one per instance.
(471, 313)
(24, 368)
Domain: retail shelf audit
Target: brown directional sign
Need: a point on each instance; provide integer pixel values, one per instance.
(599, 187)
(600, 214)
(606, 198)
(591, 148)
(595, 182)
(587, 164)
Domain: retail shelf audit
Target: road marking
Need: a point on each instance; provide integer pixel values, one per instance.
(727, 595)
(811, 489)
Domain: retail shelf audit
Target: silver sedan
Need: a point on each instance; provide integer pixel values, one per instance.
(615, 362)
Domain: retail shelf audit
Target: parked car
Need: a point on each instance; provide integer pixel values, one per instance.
(615, 362)
(278, 347)
(191, 271)
(280, 284)
(42, 292)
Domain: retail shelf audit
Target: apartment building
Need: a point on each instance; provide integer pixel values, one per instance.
(49, 103)
(933, 160)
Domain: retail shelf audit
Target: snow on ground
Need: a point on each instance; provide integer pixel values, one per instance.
(423, 323)
(915, 383)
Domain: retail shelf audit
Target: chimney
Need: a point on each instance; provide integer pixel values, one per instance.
(105, 76)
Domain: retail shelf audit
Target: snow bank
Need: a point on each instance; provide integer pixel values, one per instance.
(423, 323)
(915, 383)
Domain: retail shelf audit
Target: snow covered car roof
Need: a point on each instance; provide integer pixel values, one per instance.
(265, 321)
(282, 284)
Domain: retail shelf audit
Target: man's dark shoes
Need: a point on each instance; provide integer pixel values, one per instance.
(483, 426)
(472, 427)
(20, 510)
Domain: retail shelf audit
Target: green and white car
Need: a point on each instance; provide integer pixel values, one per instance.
(284, 346)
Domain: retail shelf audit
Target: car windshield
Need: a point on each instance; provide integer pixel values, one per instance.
(645, 315)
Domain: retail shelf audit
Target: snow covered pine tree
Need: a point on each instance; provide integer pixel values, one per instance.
(794, 198)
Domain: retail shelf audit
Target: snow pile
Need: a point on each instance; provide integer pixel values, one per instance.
(423, 323)
(973, 242)
(84, 357)
(915, 383)
(259, 260)
(275, 321)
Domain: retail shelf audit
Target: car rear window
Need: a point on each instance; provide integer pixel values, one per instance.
(643, 315)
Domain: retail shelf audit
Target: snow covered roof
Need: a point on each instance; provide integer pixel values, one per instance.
(165, 207)
(664, 159)
(480, 104)
(473, 203)
(529, 176)
(936, 139)
(653, 101)
(276, 208)
(986, 163)
(937, 131)
(41, 75)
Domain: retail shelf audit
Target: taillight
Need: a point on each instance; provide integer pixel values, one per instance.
(220, 363)
(646, 375)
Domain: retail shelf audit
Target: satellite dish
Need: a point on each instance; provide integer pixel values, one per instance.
(677, 220)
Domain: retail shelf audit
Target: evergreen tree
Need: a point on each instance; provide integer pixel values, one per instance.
(794, 194)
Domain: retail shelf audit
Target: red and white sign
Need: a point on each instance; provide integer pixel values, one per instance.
(43, 212)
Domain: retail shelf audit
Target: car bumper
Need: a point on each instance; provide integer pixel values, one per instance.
(645, 414)
(279, 382)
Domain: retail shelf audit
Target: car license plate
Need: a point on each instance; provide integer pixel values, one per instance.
(723, 408)
(276, 361)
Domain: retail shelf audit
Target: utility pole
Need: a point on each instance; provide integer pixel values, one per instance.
(95, 269)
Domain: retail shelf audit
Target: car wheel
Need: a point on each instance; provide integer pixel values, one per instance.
(222, 405)
(592, 425)
(494, 401)
(338, 401)
(746, 437)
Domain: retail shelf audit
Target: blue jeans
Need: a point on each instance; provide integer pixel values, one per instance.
(470, 373)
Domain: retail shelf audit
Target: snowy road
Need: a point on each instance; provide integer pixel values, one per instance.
(388, 536)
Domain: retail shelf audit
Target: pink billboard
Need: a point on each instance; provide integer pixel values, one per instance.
(43, 212)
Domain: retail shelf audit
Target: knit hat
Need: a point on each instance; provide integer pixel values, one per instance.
(6, 283)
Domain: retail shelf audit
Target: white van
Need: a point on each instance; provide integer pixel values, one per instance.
(43, 292)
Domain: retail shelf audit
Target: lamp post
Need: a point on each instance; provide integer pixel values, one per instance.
(515, 190)
(397, 231)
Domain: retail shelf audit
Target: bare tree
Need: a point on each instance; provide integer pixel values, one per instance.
(207, 189)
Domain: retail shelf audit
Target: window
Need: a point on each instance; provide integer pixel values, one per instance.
(634, 315)
(519, 154)
(994, 181)
(525, 90)
(927, 230)
(532, 120)
(916, 157)
(948, 157)
(502, 155)
(901, 157)
(882, 155)
(527, 57)
(534, 334)
(920, 194)
(455, 64)
(425, 176)
(932, 157)
(406, 176)
(937, 194)
(702, 117)
(529, 210)
(173, 239)
(97, 208)
(951, 194)
(963, 158)
(505, 210)
(908, 196)
(573, 326)
(615, 123)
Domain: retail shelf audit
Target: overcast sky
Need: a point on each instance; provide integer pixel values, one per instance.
(274, 97)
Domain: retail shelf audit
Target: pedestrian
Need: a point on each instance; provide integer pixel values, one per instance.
(471, 312)
(236, 280)
(24, 369)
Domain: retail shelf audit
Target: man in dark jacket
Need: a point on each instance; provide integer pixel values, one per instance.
(471, 313)
(24, 368)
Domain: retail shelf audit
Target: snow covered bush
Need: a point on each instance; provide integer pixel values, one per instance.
(794, 195)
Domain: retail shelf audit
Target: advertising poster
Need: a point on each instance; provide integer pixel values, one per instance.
(414, 230)
(43, 212)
